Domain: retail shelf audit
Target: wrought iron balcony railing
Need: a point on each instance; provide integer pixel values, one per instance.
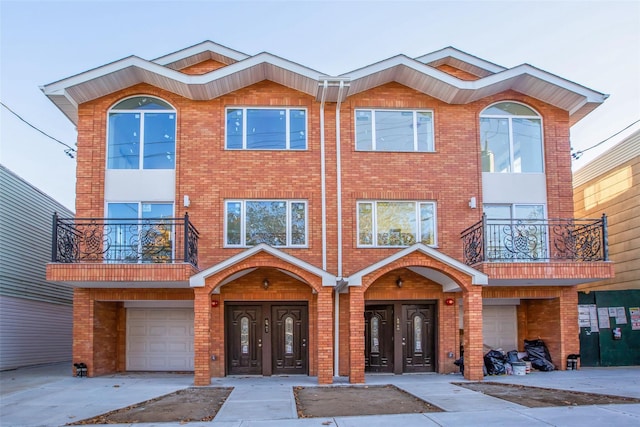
(523, 240)
(123, 240)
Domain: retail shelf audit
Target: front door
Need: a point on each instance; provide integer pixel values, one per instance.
(378, 329)
(418, 338)
(266, 338)
(399, 332)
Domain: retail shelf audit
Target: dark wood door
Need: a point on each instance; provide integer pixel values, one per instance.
(418, 340)
(244, 340)
(378, 338)
(289, 339)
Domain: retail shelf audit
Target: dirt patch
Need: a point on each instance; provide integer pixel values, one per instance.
(190, 404)
(538, 397)
(315, 402)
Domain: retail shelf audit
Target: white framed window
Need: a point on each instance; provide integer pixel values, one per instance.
(511, 139)
(266, 128)
(517, 232)
(396, 223)
(140, 232)
(281, 223)
(394, 130)
(141, 134)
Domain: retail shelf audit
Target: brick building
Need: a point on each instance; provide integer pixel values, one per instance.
(247, 215)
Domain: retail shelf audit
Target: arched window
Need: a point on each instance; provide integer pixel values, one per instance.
(511, 139)
(141, 135)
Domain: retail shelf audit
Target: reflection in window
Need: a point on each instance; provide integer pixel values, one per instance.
(141, 135)
(244, 335)
(266, 129)
(417, 334)
(394, 130)
(396, 223)
(375, 335)
(511, 139)
(288, 335)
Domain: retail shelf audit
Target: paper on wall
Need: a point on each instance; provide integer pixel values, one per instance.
(603, 318)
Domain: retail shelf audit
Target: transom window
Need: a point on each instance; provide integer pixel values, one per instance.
(394, 130)
(511, 139)
(391, 223)
(141, 135)
(274, 222)
(266, 129)
(137, 232)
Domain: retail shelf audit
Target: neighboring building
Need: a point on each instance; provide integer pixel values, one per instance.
(247, 215)
(36, 316)
(611, 183)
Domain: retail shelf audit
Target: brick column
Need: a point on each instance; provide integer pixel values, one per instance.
(83, 329)
(201, 337)
(356, 335)
(473, 353)
(325, 336)
(569, 330)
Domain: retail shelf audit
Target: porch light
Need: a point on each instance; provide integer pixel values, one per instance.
(399, 282)
(265, 284)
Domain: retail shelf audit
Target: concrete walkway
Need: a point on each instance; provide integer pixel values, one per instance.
(50, 396)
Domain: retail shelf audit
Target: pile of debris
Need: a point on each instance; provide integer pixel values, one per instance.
(497, 362)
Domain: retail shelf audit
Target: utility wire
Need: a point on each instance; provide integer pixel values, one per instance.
(579, 153)
(69, 151)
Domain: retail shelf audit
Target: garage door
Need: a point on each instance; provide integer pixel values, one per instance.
(500, 327)
(160, 339)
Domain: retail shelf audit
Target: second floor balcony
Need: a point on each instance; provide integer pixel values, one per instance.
(538, 251)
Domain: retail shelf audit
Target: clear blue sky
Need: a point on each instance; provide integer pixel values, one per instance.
(593, 43)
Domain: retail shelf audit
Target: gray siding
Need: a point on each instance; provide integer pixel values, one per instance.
(33, 332)
(25, 241)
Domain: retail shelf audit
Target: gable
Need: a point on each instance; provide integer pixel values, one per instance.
(203, 67)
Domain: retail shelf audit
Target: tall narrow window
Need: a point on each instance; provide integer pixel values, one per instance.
(244, 335)
(375, 335)
(141, 135)
(417, 334)
(288, 335)
(511, 139)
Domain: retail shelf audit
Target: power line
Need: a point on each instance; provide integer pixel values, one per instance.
(69, 151)
(579, 153)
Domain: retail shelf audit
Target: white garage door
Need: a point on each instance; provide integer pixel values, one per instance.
(500, 327)
(160, 339)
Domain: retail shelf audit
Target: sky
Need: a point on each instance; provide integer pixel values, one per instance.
(593, 43)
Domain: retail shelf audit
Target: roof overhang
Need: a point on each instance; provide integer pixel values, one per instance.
(448, 284)
(198, 280)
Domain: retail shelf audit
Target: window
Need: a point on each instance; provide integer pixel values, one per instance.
(266, 129)
(137, 232)
(274, 222)
(142, 135)
(511, 139)
(394, 130)
(516, 232)
(382, 223)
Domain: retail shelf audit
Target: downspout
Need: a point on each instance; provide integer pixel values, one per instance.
(323, 178)
(336, 305)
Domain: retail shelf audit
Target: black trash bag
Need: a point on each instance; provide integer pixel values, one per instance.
(512, 356)
(495, 361)
(538, 355)
(460, 363)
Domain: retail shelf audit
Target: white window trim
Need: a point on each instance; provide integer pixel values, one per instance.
(415, 129)
(510, 117)
(243, 221)
(142, 144)
(287, 128)
(375, 225)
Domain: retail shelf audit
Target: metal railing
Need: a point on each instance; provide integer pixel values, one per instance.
(124, 240)
(526, 240)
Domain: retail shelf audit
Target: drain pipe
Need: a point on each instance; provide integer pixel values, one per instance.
(336, 305)
(323, 177)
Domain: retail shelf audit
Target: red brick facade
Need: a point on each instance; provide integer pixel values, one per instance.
(209, 174)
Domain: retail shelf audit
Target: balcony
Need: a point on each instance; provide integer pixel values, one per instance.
(101, 252)
(539, 251)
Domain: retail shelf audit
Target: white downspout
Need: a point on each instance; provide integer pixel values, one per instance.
(336, 305)
(323, 178)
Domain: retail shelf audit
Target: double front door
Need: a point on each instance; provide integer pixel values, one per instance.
(266, 339)
(399, 337)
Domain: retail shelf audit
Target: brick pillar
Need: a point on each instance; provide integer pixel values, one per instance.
(83, 329)
(325, 336)
(473, 353)
(201, 337)
(569, 330)
(356, 335)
